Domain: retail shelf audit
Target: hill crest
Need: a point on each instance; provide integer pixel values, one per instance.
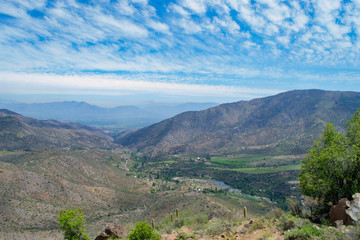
(287, 122)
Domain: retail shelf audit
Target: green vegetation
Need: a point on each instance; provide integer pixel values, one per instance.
(236, 162)
(260, 170)
(332, 168)
(142, 231)
(73, 224)
(9, 152)
(307, 232)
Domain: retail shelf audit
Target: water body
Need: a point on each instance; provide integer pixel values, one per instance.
(223, 185)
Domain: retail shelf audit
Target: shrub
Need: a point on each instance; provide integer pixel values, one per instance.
(331, 169)
(217, 228)
(256, 225)
(186, 218)
(142, 231)
(304, 233)
(184, 236)
(351, 232)
(72, 222)
(288, 221)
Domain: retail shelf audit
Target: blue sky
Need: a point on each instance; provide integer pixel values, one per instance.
(115, 52)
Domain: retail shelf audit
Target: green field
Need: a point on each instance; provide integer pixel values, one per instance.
(256, 164)
(2, 153)
(260, 170)
(165, 161)
(236, 161)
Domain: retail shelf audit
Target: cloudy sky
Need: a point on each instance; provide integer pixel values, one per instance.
(115, 52)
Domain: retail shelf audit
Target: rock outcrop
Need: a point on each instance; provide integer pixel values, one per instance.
(353, 210)
(346, 211)
(112, 231)
(338, 212)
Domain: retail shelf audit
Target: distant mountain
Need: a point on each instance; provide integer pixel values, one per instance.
(122, 117)
(82, 112)
(18, 133)
(285, 123)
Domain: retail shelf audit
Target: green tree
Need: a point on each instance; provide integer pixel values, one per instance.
(142, 231)
(331, 169)
(73, 224)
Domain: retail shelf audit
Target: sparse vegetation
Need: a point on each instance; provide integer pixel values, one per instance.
(309, 231)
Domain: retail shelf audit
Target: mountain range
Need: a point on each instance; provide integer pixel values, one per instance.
(121, 117)
(18, 133)
(286, 123)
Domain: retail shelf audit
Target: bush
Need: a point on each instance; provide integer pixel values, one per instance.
(184, 236)
(142, 231)
(351, 232)
(186, 218)
(288, 222)
(331, 169)
(72, 222)
(304, 233)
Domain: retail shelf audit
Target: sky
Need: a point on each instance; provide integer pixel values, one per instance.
(119, 52)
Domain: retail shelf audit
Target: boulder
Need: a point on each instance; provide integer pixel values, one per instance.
(353, 210)
(112, 231)
(338, 212)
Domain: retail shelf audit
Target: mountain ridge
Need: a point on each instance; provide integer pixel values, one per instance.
(120, 117)
(287, 122)
(18, 133)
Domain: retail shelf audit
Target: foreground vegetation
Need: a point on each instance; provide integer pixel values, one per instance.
(331, 170)
(274, 225)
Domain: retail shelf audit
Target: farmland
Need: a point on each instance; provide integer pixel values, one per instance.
(259, 175)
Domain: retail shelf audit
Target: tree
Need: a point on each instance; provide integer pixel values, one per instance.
(142, 231)
(331, 169)
(73, 224)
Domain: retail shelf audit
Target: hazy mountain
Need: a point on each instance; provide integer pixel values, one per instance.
(128, 117)
(284, 123)
(82, 112)
(19, 132)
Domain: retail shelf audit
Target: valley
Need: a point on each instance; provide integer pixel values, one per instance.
(212, 162)
(273, 180)
(36, 185)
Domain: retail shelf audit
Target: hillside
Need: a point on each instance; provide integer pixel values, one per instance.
(36, 185)
(286, 123)
(40, 175)
(20, 133)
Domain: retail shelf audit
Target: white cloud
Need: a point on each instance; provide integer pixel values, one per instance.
(197, 6)
(124, 7)
(159, 26)
(231, 37)
(326, 14)
(108, 85)
(125, 26)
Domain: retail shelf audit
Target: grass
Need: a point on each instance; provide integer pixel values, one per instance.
(167, 161)
(260, 170)
(256, 164)
(236, 161)
(5, 152)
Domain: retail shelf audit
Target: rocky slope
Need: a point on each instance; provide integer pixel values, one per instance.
(286, 123)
